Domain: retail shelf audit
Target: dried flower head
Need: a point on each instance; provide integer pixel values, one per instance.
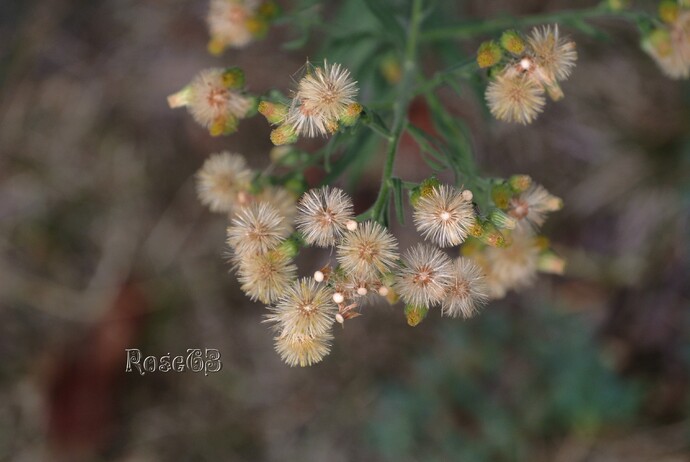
(425, 275)
(305, 308)
(266, 276)
(444, 216)
(323, 96)
(323, 215)
(367, 251)
(554, 56)
(510, 267)
(515, 97)
(531, 206)
(467, 291)
(215, 100)
(298, 349)
(669, 45)
(220, 180)
(257, 228)
(228, 22)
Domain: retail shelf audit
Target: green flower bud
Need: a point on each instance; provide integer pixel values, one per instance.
(415, 314)
(501, 193)
(351, 114)
(489, 54)
(425, 188)
(520, 183)
(233, 78)
(284, 134)
(274, 112)
(501, 219)
(513, 42)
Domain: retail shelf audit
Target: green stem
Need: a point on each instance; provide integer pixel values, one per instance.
(472, 29)
(399, 110)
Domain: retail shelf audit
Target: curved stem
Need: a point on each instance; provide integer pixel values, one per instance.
(378, 210)
(472, 29)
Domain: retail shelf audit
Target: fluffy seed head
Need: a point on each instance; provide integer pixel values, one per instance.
(510, 267)
(220, 180)
(257, 228)
(425, 275)
(369, 250)
(266, 277)
(444, 216)
(213, 104)
(280, 198)
(515, 97)
(554, 56)
(669, 45)
(305, 308)
(467, 291)
(299, 349)
(323, 96)
(228, 23)
(530, 207)
(323, 215)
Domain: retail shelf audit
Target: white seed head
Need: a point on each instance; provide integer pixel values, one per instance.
(425, 276)
(444, 216)
(228, 22)
(323, 214)
(467, 291)
(222, 180)
(367, 251)
(266, 277)
(515, 97)
(530, 208)
(554, 56)
(300, 349)
(304, 308)
(211, 102)
(256, 229)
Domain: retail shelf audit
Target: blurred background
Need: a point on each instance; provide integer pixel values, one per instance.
(104, 246)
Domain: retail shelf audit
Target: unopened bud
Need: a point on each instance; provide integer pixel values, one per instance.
(501, 194)
(224, 125)
(549, 262)
(233, 78)
(215, 46)
(668, 11)
(350, 114)
(338, 298)
(180, 99)
(467, 195)
(257, 26)
(319, 276)
(351, 225)
(339, 318)
(415, 314)
(520, 183)
(383, 291)
(289, 248)
(274, 112)
(285, 134)
(488, 54)
(513, 42)
(362, 291)
(425, 189)
(502, 220)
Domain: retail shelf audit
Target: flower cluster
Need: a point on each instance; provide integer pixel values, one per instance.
(323, 101)
(521, 208)
(216, 99)
(534, 65)
(669, 43)
(235, 23)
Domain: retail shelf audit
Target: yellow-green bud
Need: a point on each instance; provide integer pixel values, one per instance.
(269, 10)
(489, 54)
(424, 189)
(233, 78)
(513, 42)
(520, 183)
(350, 114)
(491, 235)
(284, 134)
(223, 126)
(668, 11)
(549, 262)
(257, 26)
(658, 41)
(501, 193)
(617, 5)
(415, 314)
(502, 220)
(215, 46)
(274, 112)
